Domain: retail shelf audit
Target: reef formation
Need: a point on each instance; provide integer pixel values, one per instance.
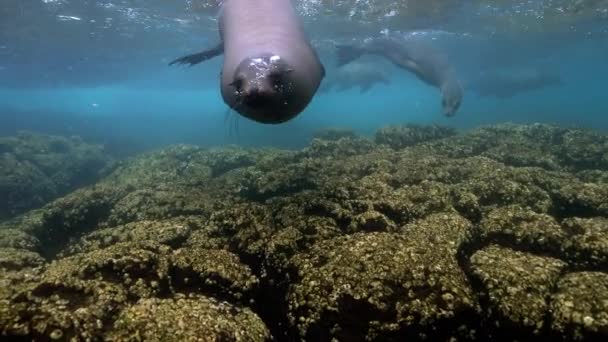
(37, 168)
(500, 233)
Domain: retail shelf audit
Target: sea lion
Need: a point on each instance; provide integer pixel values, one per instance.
(506, 83)
(355, 74)
(426, 63)
(271, 71)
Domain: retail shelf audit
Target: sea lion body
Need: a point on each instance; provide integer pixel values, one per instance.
(270, 72)
(509, 82)
(427, 63)
(356, 74)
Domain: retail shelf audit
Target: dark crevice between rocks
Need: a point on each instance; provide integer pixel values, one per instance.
(271, 300)
(74, 298)
(272, 307)
(270, 296)
(457, 327)
(323, 210)
(219, 171)
(351, 314)
(58, 229)
(485, 326)
(186, 280)
(563, 209)
(548, 316)
(353, 320)
(398, 216)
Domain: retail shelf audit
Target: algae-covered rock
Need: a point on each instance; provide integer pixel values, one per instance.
(172, 232)
(588, 240)
(334, 133)
(421, 234)
(142, 271)
(192, 318)
(540, 145)
(60, 309)
(582, 199)
(399, 137)
(17, 238)
(18, 259)
(384, 284)
(214, 271)
(519, 226)
(517, 285)
(36, 168)
(580, 306)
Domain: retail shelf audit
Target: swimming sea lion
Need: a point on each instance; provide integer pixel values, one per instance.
(426, 63)
(271, 71)
(508, 82)
(355, 74)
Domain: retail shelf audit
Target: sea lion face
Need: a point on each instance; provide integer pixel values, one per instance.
(451, 97)
(263, 89)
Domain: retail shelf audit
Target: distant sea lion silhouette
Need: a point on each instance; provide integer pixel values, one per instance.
(506, 83)
(271, 71)
(355, 74)
(426, 63)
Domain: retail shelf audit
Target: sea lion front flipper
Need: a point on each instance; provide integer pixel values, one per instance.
(200, 56)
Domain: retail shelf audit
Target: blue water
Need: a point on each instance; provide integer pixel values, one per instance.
(99, 69)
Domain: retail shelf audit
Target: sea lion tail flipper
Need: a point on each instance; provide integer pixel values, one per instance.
(347, 53)
(200, 56)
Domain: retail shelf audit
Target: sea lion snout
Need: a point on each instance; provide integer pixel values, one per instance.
(256, 97)
(451, 92)
(263, 88)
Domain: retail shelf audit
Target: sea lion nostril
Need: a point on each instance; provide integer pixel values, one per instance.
(255, 98)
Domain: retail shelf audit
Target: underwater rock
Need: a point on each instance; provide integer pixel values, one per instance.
(399, 137)
(37, 168)
(51, 308)
(545, 146)
(172, 232)
(213, 271)
(334, 133)
(579, 306)
(16, 238)
(588, 241)
(517, 226)
(582, 199)
(190, 318)
(18, 259)
(385, 285)
(443, 237)
(516, 285)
